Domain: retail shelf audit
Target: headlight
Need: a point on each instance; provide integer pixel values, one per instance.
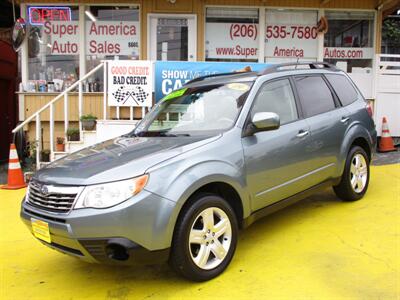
(110, 194)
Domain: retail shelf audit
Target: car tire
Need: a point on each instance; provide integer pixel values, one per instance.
(355, 179)
(205, 238)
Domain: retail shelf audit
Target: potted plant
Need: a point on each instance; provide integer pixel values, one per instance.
(88, 122)
(73, 134)
(45, 155)
(60, 147)
(30, 158)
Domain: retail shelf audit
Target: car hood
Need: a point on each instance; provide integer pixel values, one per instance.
(116, 159)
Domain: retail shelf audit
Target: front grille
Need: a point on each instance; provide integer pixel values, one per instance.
(52, 198)
(43, 216)
(66, 249)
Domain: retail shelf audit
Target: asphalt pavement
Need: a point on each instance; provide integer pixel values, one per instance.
(319, 248)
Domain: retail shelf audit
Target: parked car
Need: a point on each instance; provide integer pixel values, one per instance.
(207, 160)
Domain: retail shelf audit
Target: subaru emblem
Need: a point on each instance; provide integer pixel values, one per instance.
(44, 190)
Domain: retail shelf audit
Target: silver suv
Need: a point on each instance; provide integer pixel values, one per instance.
(208, 159)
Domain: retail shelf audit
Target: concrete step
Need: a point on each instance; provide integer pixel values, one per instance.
(105, 129)
(58, 155)
(43, 164)
(73, 146)
(89, 137)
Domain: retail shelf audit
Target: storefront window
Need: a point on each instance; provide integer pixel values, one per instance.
(53, 47)
(232, 34)
(349, 40)
(112, 32)
(291, 35)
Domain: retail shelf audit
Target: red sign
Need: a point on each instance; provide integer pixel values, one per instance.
(38, 15)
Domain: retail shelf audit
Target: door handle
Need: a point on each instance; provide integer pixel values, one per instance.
(302, 133)
(345, 119)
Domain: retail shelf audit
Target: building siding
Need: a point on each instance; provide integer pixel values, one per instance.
(93, 102)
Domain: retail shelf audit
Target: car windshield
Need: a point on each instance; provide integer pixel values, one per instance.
(196, 111)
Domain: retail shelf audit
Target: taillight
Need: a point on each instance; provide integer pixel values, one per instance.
(369, 109)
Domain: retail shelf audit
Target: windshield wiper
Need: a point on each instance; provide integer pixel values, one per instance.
(159, 133)
(173, 134)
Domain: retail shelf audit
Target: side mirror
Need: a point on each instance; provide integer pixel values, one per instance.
(263, 121)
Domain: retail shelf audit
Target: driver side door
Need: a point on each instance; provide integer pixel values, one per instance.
(277, 161)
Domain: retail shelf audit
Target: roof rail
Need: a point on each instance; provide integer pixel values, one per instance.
(201, 78)
(311, 65)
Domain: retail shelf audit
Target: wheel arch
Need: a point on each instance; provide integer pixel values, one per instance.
(356, 136)
(225, 191)
(217, 177)
(363, 143)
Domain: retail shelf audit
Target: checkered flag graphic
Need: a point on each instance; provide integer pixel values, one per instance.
(120, 95)
(138, 95)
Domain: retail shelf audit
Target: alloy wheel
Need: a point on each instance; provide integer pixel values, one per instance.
(210, 238)
(358, 173)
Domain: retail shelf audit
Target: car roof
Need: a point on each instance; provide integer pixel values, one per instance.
(222, 79)
(292, 68)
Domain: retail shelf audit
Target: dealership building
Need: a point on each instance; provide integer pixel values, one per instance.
(67, 40)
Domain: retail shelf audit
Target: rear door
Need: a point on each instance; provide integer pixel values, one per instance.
(277, 161)
(327, 120)
(346, 94)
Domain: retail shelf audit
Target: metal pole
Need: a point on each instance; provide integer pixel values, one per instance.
(105, 86)
(37, 141)
(66, 121)
(13, 8)
(80, 108)
(51, 131)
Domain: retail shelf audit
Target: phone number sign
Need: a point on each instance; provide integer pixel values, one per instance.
(291, 34)
(232, 40)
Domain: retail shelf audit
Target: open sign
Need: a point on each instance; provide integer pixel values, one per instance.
(38, 15)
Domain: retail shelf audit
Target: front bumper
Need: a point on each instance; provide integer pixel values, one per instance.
(143, 224)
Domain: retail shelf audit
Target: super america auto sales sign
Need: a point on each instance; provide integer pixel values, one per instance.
(102, 37)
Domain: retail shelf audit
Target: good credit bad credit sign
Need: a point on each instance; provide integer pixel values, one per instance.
(130, 83)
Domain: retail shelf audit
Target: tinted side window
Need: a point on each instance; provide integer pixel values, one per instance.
(343, 88)
(276, 96)
(315, 95)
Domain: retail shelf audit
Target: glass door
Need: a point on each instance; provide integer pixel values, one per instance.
(172, 37)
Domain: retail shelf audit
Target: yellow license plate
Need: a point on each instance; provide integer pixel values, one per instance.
(41, 230)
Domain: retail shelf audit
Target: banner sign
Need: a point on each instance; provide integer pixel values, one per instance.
(232, 40)
(102, 37)
(130, 83)
(291, 34)
(348, 53)
(171, 75)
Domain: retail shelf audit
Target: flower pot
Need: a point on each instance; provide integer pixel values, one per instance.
(73, 137)
(45, 157)
(60, 147)
(89, 125)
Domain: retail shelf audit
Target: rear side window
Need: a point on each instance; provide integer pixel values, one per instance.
(343, 88)
(315, 95)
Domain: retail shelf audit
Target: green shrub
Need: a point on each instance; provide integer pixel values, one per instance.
(88, 117)
(72, 131)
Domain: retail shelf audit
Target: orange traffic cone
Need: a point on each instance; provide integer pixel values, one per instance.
(386, 142)
(15, 176)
